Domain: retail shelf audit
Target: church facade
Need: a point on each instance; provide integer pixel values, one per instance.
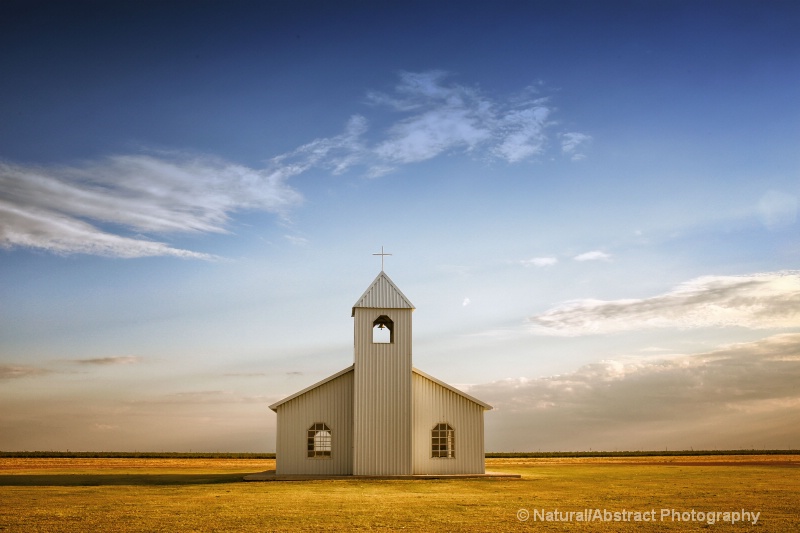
(380, 416)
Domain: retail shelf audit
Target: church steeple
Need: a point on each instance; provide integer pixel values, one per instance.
(382, 380)
(383, 293)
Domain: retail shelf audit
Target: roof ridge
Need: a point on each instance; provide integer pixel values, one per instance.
(351, 368)
(342, 372)
(449, 387)
(383, 292)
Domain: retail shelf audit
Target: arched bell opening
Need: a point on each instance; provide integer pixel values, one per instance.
(383, 330)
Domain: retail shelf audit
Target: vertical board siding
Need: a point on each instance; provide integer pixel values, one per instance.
(381, 412)
(384, 294)
(434, 404)
(331, 403)
(382, 396)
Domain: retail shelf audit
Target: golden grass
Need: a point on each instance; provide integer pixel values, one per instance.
(208, 495)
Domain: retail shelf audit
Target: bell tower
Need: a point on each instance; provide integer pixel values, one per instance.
(382, 399)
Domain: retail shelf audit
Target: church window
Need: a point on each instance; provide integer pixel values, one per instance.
(443, 441)
(383, 330)
(319, 441)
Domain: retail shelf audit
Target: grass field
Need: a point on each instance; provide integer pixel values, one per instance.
(194, 494)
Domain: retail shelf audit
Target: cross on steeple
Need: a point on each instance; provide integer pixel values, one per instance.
(382, 257)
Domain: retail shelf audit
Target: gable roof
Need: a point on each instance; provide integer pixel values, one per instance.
(485, 405)
(275, 405)
(350, 368)
(383, 293)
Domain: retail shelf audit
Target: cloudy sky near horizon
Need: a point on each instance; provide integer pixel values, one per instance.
(593, 207)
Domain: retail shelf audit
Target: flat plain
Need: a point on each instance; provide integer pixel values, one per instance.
(141, 494)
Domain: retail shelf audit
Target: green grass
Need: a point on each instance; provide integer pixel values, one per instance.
(177, 494)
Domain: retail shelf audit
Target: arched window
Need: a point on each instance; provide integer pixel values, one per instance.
(319, 440)
(383, 330)
(443, 441)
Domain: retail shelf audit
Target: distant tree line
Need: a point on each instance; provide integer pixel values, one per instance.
(640, 453)
(140, 455)
(492, 455)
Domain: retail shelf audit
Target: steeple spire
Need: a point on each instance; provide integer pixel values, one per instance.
(383, 293)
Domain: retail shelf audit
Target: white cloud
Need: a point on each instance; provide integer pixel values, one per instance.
(296, 240)
(522, 132)
(427, 135)
(722, 398)
(21, 371)
(116, 360)
(571, 143)
(442, 117)
(539, 261)
(758, 301)
(115, 206)
(466, 302)
(50, 207)
(777, 209)
(65, 235)
(594, 255)
(336, 154)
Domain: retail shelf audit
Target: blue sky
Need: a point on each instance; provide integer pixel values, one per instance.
(592, 205)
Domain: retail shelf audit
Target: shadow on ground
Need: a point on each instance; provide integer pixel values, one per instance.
(79, 480)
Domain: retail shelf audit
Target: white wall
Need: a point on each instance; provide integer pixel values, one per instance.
(331, 403)
(382, 396)
(434, 404)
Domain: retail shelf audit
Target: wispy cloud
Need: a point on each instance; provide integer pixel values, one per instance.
(725, 397)
(539, 261)
(296, 240)
(335, 154)
(20, 371)
(124, 205)
(441, 116)
(438, 118)
(102, 361)
(63, 209)
(765, 300)
(434, 116)
(594, 255)
(572, 142)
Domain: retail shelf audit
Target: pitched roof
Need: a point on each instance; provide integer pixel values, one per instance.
(383, 293)
(485, 405)
(275, 405)
(350, 368)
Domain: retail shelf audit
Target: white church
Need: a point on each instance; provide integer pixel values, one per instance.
(380, 416)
